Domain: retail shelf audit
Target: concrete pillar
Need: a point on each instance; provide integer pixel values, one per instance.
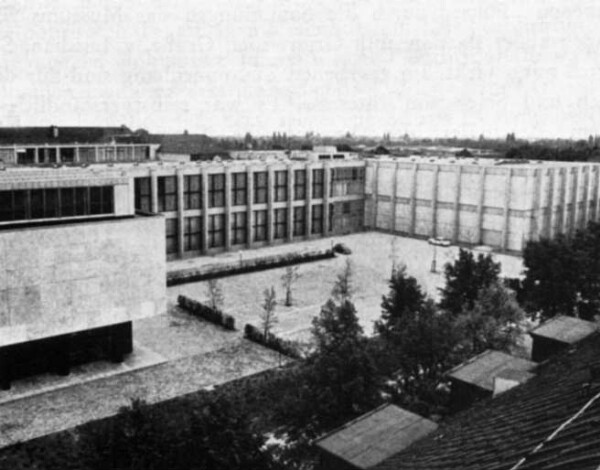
(308, 200)
(505, 225)
(57, 150)
(204, 228)
(326, 197)
(180, 212)
(290, 201)
(574, 201)
(531, 228)
(434, 197)
(227, 220)
(457, 189)
(551, 201)
(394, 196)
(270, 213)
(96, 154)
(77, 156)
(131, 153)
(154, 190)
(586, 195)
(375, 194)
(249, 206)
(413, 199)
(480, 201)
(563, 199)
(596, 215)
(36, 157)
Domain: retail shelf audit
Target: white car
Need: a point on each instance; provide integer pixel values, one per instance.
(439, 241)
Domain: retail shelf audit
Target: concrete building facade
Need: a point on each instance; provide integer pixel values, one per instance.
(500, 204)
(76, 267)
(218, 206)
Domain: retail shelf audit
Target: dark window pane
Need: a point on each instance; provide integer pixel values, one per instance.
(6, 212)
(67, 202)
(37, 204)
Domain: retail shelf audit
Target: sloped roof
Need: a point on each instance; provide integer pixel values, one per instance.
(556, 412)
(185, 144)
(481, 369)
(375, 436)
(565, 329)
(60, 135)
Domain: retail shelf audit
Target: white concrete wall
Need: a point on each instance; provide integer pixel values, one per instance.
(73, 277)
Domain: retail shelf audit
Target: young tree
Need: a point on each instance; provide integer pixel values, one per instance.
(394, 255)
(288, 279)
(215, 294)
(268, 316)
(343, 287)
(465, 278)
(494, 322)
(405, 298)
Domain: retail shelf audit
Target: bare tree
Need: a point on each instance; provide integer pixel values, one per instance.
(288, 279)
(394, 255)
(268, 317)
(215, 294)
(344, 287)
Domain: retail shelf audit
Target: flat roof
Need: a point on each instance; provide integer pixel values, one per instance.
(482, 369)
(483, 161)
(376, 436)
(565, 329)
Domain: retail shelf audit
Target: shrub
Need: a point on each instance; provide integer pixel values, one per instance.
(271, 341)
(203, 311)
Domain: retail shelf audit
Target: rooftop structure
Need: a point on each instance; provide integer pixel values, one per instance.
(549, 422)
(372, 438)
(557, 334)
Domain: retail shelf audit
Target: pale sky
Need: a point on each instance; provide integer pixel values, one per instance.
(429, 68)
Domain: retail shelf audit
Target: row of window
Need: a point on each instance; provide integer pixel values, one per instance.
(192, 190)
(26, 204)
(192, 227)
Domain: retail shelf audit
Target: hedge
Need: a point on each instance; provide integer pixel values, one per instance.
(245, 266)
(204, 311)
(273, 342)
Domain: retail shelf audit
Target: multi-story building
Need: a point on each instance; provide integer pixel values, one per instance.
(77, 266)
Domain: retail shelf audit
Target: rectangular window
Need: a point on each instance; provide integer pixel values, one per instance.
(238, 228)
(191, 234)
(167, 193)
(238, 189)
(143, 195)
(299, 221)
(317, 184)
(192, 191)
(260, 187)
(171, 235)
(280, 226)
(216, 230)
(101, 199)
(299, 185)
(51, 208)
(281, 181)
(259, 227)
(37, 204)
(216, 190)
(317, 219)
(67, 202)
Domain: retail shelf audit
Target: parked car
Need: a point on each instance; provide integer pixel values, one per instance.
(439, 241)
(341, 249)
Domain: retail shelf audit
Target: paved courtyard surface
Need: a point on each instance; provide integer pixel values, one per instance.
(372, 258)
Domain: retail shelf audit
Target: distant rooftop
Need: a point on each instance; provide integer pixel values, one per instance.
(482, 369)
(443, 159)
(63, 135)
(565, 329)
(376, 436)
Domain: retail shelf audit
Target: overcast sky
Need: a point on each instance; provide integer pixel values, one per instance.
(436, 68)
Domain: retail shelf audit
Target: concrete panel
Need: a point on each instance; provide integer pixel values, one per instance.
(424, 183)
(384, 215)
(491, 237)
(521, 193)
(446, 186)
(423, 223)
(469, 188)
(445, 223)
(385, 179)
(467, 229)
(370, 178)
(404, 182)
(402, 222)
(96, 274)
(493, 195)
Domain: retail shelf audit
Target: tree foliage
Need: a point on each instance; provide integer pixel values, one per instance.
(465, 278)
(405, 297)
(288, 279)
(344, 286)
(268, 316)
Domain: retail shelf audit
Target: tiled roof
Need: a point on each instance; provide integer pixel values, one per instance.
(552, 422)
(60, 135)
(482, 369)
(371, 438)
(184, 144)
(565, 329)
